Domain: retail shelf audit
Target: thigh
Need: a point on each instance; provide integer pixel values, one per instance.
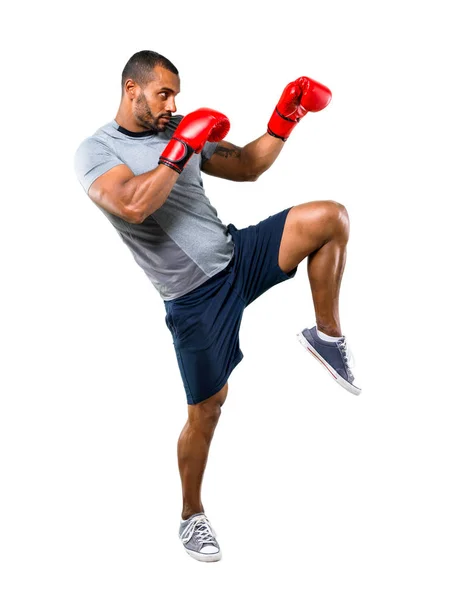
(205, 328)
(256, 268)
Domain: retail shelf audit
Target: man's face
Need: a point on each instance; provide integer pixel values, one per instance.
(155, 103)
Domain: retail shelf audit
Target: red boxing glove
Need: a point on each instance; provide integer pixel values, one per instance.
(298, 98)
(195, 129)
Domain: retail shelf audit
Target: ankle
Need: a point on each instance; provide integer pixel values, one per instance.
(328, 330)
(188, 512)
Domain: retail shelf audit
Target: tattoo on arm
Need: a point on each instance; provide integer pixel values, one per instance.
(234, 152)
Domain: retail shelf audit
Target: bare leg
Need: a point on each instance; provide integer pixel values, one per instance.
(318, 230)
(193, 449)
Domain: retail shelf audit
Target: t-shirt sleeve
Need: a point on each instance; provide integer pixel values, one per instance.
(208, 150)
(92, 159)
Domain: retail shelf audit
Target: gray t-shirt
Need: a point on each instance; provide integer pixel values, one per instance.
(183, 243)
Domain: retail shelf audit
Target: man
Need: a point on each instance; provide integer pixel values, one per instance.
(143, 170)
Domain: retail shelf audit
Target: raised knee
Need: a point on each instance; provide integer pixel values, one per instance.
(336, 209)
(338, 217)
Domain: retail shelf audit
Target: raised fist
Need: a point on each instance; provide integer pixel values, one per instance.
(299, 97)
(195, 129)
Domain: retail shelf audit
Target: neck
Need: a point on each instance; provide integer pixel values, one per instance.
(126, 120)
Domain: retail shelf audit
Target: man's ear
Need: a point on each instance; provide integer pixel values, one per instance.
(131, 89)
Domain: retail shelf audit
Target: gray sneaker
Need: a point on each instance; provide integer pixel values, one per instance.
(334, 356)
(199, 538)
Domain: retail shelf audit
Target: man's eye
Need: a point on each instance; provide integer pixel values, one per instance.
(163, 94)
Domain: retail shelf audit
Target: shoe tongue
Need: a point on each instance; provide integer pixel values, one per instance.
(191, 517)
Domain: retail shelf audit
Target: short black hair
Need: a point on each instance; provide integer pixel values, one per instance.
(141, 65)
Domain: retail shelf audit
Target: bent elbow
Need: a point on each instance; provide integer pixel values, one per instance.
(253, 177)
(137, 218)
(132, 216)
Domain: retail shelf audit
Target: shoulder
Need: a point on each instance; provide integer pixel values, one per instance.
(90, 151)
(95, 156)
(90, 143)
(100, 142)
(103, 136)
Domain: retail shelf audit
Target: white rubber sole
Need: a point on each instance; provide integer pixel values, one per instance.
(340, 380)
(205, 557)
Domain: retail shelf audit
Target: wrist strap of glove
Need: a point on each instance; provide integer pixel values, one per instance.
(280, 126)
(176, 155)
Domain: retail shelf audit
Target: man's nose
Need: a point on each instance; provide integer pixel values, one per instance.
(171, 106)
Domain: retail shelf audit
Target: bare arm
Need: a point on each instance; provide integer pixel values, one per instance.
(243, 164)
(133, 198)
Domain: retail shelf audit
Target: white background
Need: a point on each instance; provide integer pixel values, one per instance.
(314, 493)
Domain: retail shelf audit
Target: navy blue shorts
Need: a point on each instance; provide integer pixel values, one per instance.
(205, 322)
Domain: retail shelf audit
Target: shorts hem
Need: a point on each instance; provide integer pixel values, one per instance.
(223, 381)
(290, 275)
(293, 272)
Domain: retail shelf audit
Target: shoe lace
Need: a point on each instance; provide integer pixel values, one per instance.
(200, 528)
(347, 355)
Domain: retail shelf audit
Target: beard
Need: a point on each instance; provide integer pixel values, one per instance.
(146, 118)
